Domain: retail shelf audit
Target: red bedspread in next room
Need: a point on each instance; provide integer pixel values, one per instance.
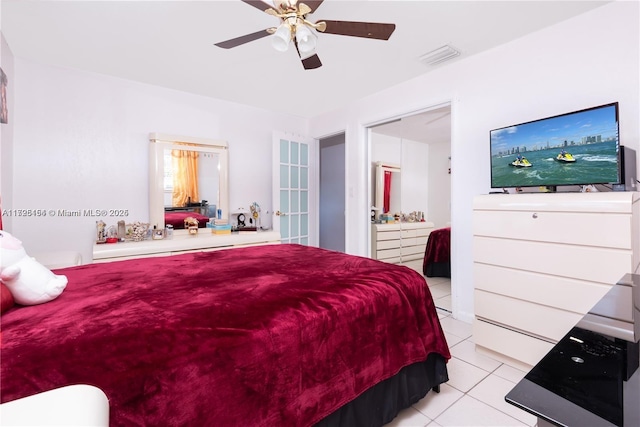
(437, 254)
(276, 335)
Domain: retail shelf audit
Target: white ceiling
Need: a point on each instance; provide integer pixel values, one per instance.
(171, 44)
(429, 127)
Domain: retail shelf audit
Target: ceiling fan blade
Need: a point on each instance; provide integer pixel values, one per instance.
(228, 44)
(309, 63)
(257, 4)
(312, 62)
(313, 4)
(370, 30)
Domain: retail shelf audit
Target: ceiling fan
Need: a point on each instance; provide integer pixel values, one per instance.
(295, 27)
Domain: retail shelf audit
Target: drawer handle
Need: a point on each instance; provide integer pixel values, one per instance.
(535, 215)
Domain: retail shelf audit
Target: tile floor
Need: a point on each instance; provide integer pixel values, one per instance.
(474, 394)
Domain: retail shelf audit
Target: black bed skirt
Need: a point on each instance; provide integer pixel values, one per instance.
(437, 269)
(382, 403)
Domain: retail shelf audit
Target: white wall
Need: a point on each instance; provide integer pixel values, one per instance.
(439, 197)
(412, 182)
(416, 157)
(386, 149)
(81, 142)
(208, 177)
(6, 135)
(589, 60)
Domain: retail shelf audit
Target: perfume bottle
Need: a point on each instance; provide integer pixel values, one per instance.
(157, 233)
(121, 230)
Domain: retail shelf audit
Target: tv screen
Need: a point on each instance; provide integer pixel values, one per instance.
(577, 148)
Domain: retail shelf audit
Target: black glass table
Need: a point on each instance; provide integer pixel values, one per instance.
(590, 377)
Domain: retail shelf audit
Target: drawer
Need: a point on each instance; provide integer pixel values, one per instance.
(415, 241)
(559, 292)
(386, 235)
(424, 232)
(200, 250)
(612, 230)
(580, 262)
(541, 321)
(246, 246)
(409, 241)
(412, 250)
(407, 234)
(123, 258)
(518, 346)
(606, 202)
(412, 257)
(388, 253)
(387, 244)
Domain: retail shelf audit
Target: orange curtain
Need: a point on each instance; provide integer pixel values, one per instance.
(185, 177)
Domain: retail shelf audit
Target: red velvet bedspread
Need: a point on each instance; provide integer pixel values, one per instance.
(437, 254)
(276, 335)
(176, 218)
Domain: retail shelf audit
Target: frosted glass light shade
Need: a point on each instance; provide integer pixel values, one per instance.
(306, 39)
(281, 38)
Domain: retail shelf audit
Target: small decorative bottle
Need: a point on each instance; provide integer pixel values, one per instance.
(157, 233)
(101, 232)
(122, 231)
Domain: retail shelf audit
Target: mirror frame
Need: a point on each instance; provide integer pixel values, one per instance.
(159, 142)
(381, 168)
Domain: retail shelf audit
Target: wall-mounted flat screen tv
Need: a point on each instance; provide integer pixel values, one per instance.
(577, 148)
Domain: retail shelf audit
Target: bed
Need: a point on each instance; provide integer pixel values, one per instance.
(258, 336)
(176, 218)
(437, 254)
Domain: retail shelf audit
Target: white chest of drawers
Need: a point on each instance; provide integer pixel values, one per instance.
(402, 243)
(541, 261)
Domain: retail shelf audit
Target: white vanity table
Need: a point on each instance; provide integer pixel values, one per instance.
(214, 176)
(204, 241)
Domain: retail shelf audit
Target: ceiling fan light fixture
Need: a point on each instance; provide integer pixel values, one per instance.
(306, 39)
(281, 38)
(439, 55)
(305, 55)
(293, 23)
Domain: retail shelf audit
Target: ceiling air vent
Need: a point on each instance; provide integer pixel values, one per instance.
(439, 55)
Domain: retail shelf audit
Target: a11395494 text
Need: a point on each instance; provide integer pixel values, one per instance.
(65, 212)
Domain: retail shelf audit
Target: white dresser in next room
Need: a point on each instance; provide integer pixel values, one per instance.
(401, 243)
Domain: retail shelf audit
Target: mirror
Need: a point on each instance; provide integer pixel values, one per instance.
(387, 187)
(191, 181)
(421, 145)
(187, 175)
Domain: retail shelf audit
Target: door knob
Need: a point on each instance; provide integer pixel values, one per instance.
(278, 213)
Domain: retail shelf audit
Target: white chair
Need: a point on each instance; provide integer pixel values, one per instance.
(74, 405)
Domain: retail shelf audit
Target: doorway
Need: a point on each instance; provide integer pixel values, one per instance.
(420, 144)
(332, 193)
